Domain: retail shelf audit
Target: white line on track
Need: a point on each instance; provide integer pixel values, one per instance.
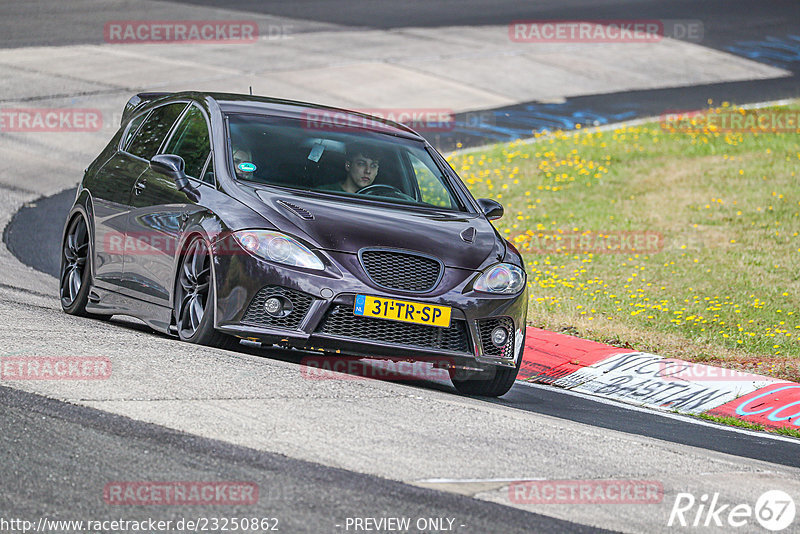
(653, 411)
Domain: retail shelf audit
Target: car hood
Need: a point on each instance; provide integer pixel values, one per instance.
(462, 240)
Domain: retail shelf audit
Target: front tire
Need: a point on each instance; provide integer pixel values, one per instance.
(498, 382)
(194, 299)
(495, 382)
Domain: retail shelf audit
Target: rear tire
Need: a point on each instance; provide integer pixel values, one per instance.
(75, 275)
(194, 299)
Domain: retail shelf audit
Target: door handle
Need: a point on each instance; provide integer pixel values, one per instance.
(138, 187)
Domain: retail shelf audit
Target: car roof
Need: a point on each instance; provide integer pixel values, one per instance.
(260, 105)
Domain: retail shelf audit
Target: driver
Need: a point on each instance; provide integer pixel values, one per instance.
(360, 166)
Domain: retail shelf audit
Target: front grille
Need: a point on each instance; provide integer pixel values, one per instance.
(256, 315)
(340, 321)
(401, 271)
(485, 327)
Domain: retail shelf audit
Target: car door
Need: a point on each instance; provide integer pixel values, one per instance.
(159, 211)
(142, 146)
(111, 188)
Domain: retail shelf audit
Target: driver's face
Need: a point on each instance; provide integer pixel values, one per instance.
(361, 171)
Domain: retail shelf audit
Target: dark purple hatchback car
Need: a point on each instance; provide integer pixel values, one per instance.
(220, 217)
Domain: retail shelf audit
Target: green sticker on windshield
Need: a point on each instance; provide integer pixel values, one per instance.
(247, 167)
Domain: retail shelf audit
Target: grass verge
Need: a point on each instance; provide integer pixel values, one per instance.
(733, 421)
(730, 421)
(678, 238)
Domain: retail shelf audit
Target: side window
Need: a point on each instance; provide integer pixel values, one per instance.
(208, 175)
(190, 141)
(431, 188)
(132, 127)
(147, 140)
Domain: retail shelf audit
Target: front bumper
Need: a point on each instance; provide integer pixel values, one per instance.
(322, 312)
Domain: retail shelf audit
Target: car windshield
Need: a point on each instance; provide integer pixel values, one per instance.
(335, 160)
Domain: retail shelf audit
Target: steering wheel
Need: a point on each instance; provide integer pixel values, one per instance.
(394, 192)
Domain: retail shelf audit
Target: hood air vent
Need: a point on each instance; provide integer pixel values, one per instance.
(297, 210)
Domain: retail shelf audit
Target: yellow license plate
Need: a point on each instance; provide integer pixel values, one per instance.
(402, 310)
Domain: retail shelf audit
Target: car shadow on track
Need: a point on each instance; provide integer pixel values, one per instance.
(315, 365)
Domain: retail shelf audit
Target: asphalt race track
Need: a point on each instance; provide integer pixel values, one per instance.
(323, 452)
(305, 497)
(725, 22)
(770, 36)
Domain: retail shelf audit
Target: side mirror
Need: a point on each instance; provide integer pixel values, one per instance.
(173, 166)
(491, 208)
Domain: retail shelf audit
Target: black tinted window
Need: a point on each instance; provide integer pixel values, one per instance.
(208, 177)
(147, 140)
(132, 129)
(337, 158)
(190, 141)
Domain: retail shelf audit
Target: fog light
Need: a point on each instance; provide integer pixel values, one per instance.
(499, 336)
(274, 306)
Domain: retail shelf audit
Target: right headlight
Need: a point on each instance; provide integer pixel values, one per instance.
(503, 278)
(278, 247)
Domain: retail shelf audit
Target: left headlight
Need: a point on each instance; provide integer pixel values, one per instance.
(278, 247)
(502, 278)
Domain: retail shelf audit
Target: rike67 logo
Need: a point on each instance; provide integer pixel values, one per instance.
(774, 510)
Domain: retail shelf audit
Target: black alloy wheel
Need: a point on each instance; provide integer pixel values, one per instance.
(74, 256)
(194, 299)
